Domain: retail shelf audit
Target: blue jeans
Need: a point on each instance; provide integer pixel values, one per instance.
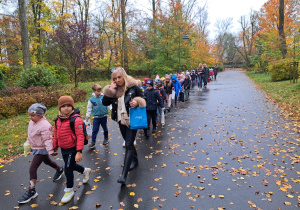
(200, 81)
(96, 125)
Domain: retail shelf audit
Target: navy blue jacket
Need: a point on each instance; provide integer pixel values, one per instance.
(152, 96)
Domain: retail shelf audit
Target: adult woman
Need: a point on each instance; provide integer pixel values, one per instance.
(205, 75)
(124, 93)
(200, 76)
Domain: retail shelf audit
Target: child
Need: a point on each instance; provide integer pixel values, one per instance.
(152, 96)
(177, 87)
(40, 140)
(144, 84)
(71, 144)
(159, 86)
(99, 111)
(168, 86)
(186, 86)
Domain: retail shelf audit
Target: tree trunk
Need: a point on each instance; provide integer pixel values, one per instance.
(24, 33)
(124, 35)
(281, 29)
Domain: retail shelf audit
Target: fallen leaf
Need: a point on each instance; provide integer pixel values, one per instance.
(34, 205)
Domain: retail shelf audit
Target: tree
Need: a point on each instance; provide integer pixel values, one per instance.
(24, 33)
(281, 29)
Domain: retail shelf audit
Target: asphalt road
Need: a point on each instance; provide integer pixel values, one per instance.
(228, 146)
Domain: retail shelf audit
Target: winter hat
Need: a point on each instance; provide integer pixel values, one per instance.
(37, 108)
(150, 82)
(146, 79)
(64, 100)
(168, 77)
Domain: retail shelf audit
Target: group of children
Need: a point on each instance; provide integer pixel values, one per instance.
(40, 142)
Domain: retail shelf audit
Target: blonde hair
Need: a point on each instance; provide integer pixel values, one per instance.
(123, 74)
(200, 64)
(96, 87)
(205, 65)
(139, 82)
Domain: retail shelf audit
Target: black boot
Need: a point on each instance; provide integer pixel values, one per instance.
(127, 162)
(134, 162)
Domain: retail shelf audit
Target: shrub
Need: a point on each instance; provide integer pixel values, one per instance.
(61, 74)
(11, 73)
(92, 74)
(19, 103)
(38, 75)
(2, 81)
(280, 70)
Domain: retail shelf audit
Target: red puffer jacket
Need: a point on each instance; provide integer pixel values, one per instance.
(64, 136)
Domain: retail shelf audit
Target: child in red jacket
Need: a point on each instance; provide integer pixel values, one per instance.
(71, 144)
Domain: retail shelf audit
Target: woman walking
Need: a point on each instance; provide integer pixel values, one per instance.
(124, 93)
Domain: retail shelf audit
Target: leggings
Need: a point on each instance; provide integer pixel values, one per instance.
(37, 161)
(128, 136)
(70, 166)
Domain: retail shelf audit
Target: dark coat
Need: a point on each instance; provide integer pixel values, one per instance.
(186, 83)
(162, 92)
(168, 88)
(133, 91)
(193, 76)
(152, 96)
(216, 69)
(206, 72)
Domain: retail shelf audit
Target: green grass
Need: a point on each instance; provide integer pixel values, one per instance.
(286, 94)
(14, 129)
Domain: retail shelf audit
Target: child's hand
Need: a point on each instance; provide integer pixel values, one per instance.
(55, 153)
(133, 103)
(113, 85)
(78, 157)
(163, 109)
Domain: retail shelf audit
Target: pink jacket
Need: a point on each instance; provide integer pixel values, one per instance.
(40, 135)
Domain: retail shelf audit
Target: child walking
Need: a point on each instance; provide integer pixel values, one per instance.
(168, 86)
(99, 111)
(152, 96)
(159, 86)
(40, 140)
(71, 144)
(186, 86)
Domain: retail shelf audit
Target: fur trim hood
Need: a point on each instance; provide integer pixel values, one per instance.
(116, 93)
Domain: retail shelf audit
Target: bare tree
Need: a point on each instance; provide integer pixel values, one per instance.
(203, 23)
(24, 33)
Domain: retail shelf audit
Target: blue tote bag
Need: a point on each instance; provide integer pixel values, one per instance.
(138, 118)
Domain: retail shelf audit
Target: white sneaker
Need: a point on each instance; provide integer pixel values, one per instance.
(86, 175)
(69, 194)
(134, 142)
(123, 144)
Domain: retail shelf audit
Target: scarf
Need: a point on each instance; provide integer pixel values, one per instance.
(65, 116)
(122, 113)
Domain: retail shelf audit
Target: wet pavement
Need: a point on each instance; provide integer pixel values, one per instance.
(227, 147)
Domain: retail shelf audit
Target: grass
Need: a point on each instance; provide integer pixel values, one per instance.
(284, 93)
(14, 129)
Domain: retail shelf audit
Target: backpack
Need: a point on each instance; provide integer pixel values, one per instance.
(72, 125)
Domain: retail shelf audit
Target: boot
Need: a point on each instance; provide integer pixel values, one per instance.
(134, 162)
(127, 162)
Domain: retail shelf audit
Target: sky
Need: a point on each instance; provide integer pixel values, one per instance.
(222, 9)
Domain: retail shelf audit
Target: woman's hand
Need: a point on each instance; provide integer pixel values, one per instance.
(113, 85)
(78, 157)
(133, 103)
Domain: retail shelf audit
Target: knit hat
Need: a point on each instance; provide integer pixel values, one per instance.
(37, 108)
(150, 82)
(64, 100)
(146, 79)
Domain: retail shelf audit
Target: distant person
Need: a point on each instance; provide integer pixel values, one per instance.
(205, 75)
(177, 87)
(216, 69)
(71, 144)
(40, 140)
(200, 76)
(193, 78)
(159, 86)
(168, 85)
(99, 112)
(186, 86)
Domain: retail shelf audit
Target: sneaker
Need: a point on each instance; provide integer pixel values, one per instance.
(134, 142)
(92, 145)
(154, 130)
(69, 194)
(123, 144)
(105, 141)
(86, 175)
(58, 174)
(28, 195)
(163, 124)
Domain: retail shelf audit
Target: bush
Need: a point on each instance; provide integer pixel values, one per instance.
(92, 74)
(2, 81)
(61, 74)
(19, 103)
(280, 70)
(11, 73)
(39, 75)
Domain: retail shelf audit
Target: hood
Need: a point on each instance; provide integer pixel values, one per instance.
(174, 77)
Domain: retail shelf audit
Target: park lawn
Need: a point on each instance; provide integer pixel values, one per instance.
(14, 129)
(284, 93)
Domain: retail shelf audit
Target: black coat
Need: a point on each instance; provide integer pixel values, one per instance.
(206, 72)
(168, 88)
(130, 93)
(186, 84)
(152, 96)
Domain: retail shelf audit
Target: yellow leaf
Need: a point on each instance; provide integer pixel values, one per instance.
(132, 194)
(290, 196)
(221, 196)
(115, 154)
(73, 207)
(287, 203)
(1, 166)
(34, 205)
(231, 203)
(283, 189)
(136, 206)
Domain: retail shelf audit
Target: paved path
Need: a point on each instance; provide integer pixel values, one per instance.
(226, 147)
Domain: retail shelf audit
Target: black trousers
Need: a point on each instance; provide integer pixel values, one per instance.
(151, 115)
(70, 166)
(129, 136)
